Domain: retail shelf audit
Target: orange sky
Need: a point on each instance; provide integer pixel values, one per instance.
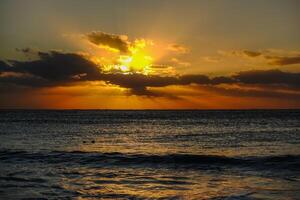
(120, 55)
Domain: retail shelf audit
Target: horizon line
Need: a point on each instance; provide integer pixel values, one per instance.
(100, 109)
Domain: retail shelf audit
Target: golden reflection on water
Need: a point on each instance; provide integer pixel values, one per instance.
(126, 144)
(154, 182)
(150, 183)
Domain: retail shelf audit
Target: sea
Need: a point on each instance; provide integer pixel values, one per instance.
(150, 154)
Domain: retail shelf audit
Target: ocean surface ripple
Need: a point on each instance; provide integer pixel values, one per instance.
(92, 154)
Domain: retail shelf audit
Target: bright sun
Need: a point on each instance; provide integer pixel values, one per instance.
(138, 61)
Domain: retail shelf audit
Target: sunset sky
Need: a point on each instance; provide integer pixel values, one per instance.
(149, 54)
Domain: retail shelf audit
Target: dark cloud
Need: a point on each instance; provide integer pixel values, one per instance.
(138, 83)
(245, 53)
(261, 92)
(271, 59)
(222, 80)
(113, 41)
(251, 53)
(24, 50)
(274, 60)
(4, 66)
(57, 68)
(20, 79)
(267, 77)
(197, 79)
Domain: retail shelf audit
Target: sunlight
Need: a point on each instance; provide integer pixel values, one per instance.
(124, 68)
(139, 61)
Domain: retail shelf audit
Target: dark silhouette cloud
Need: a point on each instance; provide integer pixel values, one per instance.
(251, 53)
(222, 80)
(4, 66)
(268, 77)
(246, 92)
(17, 79)
(197, 79)
(24, 50)
(138, 83)
(271, 59)
(57, 68)
(245, 53)
(276, 60)
(118, 42)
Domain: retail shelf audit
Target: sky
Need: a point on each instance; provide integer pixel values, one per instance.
(149, 54)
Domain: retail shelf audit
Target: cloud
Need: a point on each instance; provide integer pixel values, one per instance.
(271, 57)
(281, 60)
(24, 50)
(4, 66)
(210, 59)
(111, 41)
(24, 79)
(242, 53)
(252, 92)
(58, 68)
(268, 77)
(50, 69)
(138, 83)
(179, 62)
(178, 48)
(251, 53)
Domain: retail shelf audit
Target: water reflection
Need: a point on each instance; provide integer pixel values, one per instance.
(148, 183)
(154, 154)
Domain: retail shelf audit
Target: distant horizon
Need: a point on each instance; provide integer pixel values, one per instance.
(89, 109)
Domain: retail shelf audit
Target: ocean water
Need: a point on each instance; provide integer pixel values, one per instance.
(93, 154)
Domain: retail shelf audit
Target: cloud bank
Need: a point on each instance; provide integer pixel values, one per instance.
(271, 59)
(57, 68)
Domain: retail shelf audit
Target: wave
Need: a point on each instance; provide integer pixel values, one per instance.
(291, 162)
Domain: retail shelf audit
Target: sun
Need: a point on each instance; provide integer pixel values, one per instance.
(138, 61)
